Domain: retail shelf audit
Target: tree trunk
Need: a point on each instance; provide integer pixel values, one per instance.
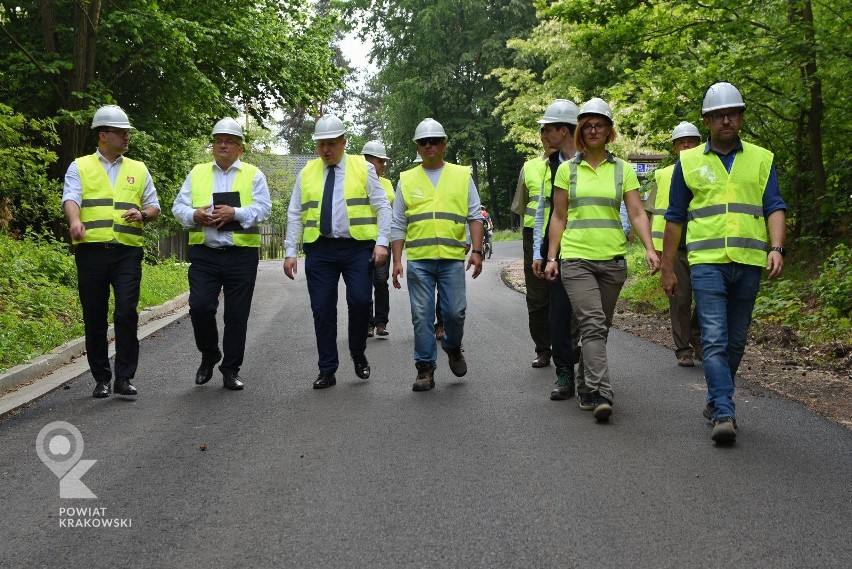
(72, 135)
(801, 15)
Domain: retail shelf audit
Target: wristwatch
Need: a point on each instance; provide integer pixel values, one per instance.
(144, 215)
(552, 260)
(478, 252)
(780, 250)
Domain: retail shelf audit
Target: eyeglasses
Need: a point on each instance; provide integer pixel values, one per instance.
(434, 141)
(118, 132)
(226, 142)
(600, 127)
(730, 115)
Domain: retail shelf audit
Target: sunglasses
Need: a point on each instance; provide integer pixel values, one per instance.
(434, 141)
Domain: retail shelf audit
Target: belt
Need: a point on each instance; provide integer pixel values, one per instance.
(222, 249)
(616, 258)
(103, 245)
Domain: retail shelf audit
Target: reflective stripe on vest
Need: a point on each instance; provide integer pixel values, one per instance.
(593, 226)
(436, 216)
(663, 178)
(725, 220)
(362, 221)
(201, 184)
(536, 171)
(103, 204)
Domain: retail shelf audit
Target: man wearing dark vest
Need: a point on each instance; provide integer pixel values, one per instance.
(728, 190)
(341, 213)
(221, 203)
(374, 153)
(434, 202)
(107, 200)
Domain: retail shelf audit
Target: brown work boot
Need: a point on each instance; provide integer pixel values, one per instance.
(439, 332)
(541, 360)
(425, 377)
(457, 364)
(381, 330)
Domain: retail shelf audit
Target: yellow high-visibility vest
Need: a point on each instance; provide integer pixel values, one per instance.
(201, 184)
(103, 204)
(663, 178)
(536, 171)
(362, 222)
(436, 216)
(725, 220)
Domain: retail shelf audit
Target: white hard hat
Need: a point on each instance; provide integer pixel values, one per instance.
(722, 95)
(596, 106)
(429, 128)
(110, 115)
(560, 111)
(228, 125)
(328, 126)
(418, 159)
(684, 130)
(375, 148)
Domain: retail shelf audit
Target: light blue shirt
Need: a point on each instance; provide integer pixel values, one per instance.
(223, 180)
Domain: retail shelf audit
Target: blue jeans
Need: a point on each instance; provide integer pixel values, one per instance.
(423, 278)
(724, 299)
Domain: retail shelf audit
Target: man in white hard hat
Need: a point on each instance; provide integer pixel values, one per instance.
(558, 126)
(685, 331)
(222, 203)
(374, 152)
(728, 189)
(341, 213)
(107, 199)
(434, 203)
(530, 184)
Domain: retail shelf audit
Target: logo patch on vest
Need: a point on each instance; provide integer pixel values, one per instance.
(131, 180)
(707, 173)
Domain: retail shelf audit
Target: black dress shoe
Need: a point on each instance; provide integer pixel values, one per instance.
(362, 366)
(205, 371)
(124, 387)
(101, 389)
(325, 379)
(232, 381)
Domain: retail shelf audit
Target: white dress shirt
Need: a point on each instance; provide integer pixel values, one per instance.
(339, 214)
(73, 189)
(223, 180)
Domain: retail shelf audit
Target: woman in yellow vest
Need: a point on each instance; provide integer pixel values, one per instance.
(586, 226)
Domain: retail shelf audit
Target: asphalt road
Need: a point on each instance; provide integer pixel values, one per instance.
(483, 471)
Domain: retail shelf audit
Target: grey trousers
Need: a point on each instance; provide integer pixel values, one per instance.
(593, 287)
(685, 329)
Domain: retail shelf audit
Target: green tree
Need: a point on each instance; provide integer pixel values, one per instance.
(434, 58)
(653, 60)
(174, 66)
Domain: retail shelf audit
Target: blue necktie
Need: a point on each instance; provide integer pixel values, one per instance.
(325, 211)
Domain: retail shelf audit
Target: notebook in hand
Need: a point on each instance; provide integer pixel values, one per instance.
(232, 199)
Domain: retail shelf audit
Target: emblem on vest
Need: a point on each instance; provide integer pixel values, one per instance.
(707, 173)
(131, 180)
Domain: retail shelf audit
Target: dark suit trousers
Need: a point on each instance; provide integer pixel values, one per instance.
(325, 261)
(99, 267)
(559, 318)
(234, 271)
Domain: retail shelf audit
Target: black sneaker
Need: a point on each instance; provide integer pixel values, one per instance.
(603, 407)
(587, 402)
(724, 430)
